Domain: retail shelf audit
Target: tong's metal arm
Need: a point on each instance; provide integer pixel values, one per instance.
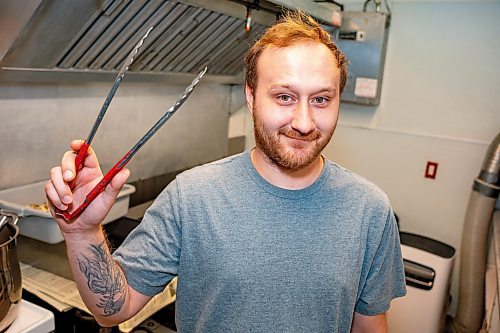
(80, 157)
(125, 159)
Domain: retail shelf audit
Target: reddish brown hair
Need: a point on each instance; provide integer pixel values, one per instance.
(294, 27)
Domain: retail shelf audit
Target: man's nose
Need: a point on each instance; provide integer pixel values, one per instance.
(303, 121)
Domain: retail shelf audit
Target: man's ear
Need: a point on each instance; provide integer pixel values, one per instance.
(249, 94)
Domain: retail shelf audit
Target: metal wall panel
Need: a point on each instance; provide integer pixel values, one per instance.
(363, 39)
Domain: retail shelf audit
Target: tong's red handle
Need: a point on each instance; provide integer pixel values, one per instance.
(94, 193)
(80, 157)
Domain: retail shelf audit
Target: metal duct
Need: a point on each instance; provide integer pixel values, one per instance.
(67, 40)
(480, 209)
(94, 37)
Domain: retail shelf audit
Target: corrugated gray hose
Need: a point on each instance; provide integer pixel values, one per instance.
(473, 256)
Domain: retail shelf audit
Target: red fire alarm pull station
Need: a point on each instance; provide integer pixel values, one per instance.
(431, 170)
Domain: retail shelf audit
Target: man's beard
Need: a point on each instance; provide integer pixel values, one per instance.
(289, 157)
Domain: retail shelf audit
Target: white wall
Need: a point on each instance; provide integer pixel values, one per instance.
(439, 103)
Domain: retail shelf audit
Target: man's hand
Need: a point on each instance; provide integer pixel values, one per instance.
(100, 281)
(61, 196)
(369, 324)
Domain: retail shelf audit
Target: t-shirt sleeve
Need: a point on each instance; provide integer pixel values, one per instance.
(383, 271)
(149, 256)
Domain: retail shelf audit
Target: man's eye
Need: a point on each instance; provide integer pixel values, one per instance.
(284, 98)
(320, 100)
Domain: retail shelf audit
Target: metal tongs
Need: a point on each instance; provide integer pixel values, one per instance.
(126, 158)
(128, 61)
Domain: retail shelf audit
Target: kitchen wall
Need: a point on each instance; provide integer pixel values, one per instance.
(38, 120)
(439, 103)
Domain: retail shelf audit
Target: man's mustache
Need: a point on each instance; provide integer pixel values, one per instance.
(291, 133)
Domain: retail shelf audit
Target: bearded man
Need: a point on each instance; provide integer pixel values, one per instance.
(275, 239)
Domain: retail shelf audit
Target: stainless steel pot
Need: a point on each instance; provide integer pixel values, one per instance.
(10, 271)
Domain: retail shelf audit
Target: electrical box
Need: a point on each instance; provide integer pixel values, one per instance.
(362, 37)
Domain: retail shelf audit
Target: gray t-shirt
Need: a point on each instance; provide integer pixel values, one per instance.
(253, 257)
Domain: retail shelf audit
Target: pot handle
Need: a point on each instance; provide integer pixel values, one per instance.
(6, 213)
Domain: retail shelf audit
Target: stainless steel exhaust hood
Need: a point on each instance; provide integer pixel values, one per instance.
(89, 40)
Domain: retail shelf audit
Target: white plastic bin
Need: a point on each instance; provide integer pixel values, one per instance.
(40, 225)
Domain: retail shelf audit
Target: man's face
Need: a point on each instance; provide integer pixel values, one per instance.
(295, 105)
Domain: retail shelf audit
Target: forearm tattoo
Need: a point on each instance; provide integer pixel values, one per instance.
(103, 278)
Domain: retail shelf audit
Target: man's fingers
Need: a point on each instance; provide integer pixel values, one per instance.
(120, 179)
(68, 166)
(60, 186)
(53, 197)
(90, 158)
(76, 144)
(116, 184)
